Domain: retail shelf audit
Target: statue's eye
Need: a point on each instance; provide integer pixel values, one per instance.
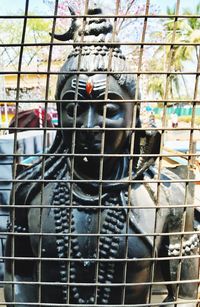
(70, 109)
(80, 109)
(112, 110)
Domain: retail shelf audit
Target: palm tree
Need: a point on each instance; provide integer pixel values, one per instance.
(194, 28)
(174, 57)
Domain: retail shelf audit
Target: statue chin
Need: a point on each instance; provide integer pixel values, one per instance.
(88, 162)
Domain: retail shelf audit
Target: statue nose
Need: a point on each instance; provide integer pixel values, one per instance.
(90, 118)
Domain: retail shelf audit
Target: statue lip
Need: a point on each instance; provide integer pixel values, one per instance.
(89, 147)
(90, 141)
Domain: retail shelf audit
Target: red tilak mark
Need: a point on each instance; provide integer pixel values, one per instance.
(89, 87)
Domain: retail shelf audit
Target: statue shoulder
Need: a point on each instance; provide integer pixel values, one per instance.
(165, 187)
(169, 193)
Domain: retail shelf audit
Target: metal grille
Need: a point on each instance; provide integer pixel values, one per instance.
(66, 251)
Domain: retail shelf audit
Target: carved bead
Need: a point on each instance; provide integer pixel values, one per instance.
(63, 214)
(76, 248)
(59, 242)
(63, 273)
(103, 53)
(116, 239)
(113, 252)
(91, 300)
(64, 279)
(109, 277)
(112, 227)
(107, 239)
(72, 270)
(106, 247)
(58, 228)
(76, 295)
(74, 241)
(57, 216)
(74, 289)
(60, 249)
(107, 289)
(101, 278)
(58, 223)
(106, 295)
(73, 277)
(106, 225)
(114, 245)
(104, 253)
(63, 267)
(120, 225)
(56, 211)
(78, 255)
(65, 225)
(187, 249)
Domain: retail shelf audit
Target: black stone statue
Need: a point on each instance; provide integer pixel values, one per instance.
(81, 233)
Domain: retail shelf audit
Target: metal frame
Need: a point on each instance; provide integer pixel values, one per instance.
(138, 72)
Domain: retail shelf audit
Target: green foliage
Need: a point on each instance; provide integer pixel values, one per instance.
(37, 31)
(173, 58)
(11, 31)
(39, 26)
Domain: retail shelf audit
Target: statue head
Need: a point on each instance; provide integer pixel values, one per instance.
(93, 89)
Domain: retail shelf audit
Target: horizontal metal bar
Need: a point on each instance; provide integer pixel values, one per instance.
(39, 304)
(122, 235)
(164, 101)
(113, 260)
(71, 155)
(97, 284)
(78, 72)
(108, 44)
(101, 129)
(99, 207)
(124, 181)
(120, 16)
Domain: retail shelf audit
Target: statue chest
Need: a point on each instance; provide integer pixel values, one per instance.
(93, 239)
(89, 233)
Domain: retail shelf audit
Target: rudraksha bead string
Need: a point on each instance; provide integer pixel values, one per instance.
(108, 245)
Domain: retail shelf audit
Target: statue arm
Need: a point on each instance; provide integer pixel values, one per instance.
(185, 245)
(20, 271)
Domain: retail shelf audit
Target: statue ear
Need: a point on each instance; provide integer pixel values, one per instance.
(148, 143)
(152, 142)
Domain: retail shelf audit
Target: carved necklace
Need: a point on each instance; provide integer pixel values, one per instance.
(108, 244)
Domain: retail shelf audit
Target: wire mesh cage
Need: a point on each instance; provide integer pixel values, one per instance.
(99, 154)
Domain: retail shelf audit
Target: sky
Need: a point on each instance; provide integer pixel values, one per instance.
(12, 6)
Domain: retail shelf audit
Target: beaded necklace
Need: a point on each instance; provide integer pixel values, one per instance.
(108, 244)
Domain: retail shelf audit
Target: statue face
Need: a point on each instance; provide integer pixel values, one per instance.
(92, 116)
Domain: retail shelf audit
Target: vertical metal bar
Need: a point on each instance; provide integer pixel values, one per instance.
(102, 150)
(14, 172)
(168, 81)
(186, 209)
(161, 147)
(40, 236)
(73, 147)
(134, 119)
